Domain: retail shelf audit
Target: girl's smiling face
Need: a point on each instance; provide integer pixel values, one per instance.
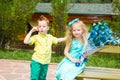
(77, 31)
(43, 27)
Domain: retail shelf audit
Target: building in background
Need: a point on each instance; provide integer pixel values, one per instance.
(87, 12)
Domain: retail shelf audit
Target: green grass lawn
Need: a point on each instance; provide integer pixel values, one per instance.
(98, 59)
(105, 60)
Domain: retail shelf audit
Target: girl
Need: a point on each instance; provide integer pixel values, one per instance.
(76, 37)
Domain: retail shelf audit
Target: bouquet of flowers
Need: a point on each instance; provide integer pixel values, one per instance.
(99, 36)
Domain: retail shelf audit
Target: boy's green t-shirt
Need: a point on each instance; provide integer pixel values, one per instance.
(43, 46)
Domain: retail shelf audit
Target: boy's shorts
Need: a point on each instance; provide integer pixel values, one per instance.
(38, 70)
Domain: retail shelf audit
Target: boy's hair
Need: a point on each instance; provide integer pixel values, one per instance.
(41, 18)
(69, 32)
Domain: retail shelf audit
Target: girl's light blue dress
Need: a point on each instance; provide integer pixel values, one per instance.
(66, 69)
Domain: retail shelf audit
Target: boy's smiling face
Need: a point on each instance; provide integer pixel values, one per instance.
(43, 27)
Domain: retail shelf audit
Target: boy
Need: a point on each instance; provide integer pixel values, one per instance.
(42, 50)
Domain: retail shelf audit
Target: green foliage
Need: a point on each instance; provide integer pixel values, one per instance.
(60, 16)
(14, 15)
(16, 54)
(90, 1)
(104, 60)
(116, 10)
(116, 5)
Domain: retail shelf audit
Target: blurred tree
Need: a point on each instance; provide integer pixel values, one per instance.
(59, 20)
(46, 1)
(106, 1)
(13, 17)
(60, 16)
(116, 10)
(90, 1)
(83, 1)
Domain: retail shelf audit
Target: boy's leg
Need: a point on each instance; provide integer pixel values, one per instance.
(43, 72)
(35, 70)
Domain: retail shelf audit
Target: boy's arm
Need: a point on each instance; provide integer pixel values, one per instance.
(27, 38)
(61, 39)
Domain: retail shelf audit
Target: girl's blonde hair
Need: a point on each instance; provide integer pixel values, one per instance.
(69, 34)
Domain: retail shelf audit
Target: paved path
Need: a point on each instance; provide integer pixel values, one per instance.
(20, 70)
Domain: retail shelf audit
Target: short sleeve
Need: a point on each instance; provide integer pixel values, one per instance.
(54, 39)
(32, 40)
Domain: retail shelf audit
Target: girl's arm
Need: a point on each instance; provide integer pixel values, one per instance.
(67, 54)
(27, 38)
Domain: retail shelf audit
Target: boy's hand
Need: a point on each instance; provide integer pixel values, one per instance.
(34, 29)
